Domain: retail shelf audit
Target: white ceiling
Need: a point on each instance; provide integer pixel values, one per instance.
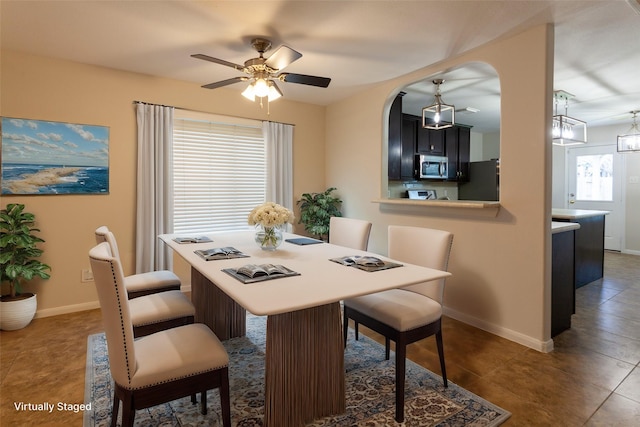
(355, 43)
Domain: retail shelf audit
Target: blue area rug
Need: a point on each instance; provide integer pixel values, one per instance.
(370, 386)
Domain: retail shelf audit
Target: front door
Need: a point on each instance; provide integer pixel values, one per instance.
(595, 182)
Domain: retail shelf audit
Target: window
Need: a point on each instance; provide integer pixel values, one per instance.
(219, 172)
(594, 177)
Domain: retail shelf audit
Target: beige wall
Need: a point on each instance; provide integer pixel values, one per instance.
(500, 265)
(46, 89)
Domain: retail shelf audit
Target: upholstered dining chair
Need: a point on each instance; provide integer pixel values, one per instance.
(412, 313)
(350, 232)
(142, 283)
(157, 312)
(160, 367)
(153, 312)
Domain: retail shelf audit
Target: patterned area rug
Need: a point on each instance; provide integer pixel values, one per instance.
(370, 385)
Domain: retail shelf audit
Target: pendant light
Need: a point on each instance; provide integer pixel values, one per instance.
(631, 141)
(566, 130)
(438, 115)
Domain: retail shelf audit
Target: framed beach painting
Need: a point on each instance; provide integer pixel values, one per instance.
(44, 157)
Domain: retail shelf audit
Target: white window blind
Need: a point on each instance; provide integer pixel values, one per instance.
(219, 174)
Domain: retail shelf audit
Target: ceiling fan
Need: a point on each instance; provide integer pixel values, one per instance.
(263, 72)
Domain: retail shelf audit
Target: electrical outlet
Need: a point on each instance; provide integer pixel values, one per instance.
(87, 276)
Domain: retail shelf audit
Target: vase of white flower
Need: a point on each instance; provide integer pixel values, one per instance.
(269, 218)
(268, 238)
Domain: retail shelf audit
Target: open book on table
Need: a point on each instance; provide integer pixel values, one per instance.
(220, 253)
(197, 239)
(366, 263)
(251, 273)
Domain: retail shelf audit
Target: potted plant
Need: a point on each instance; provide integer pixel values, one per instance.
(316, 209)
(18, 262)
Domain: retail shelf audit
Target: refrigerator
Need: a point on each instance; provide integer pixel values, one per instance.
(484, 181)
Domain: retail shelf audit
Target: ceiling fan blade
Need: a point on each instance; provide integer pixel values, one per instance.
(218, 61)
(282, 57)
(305, 80)
(226, 82)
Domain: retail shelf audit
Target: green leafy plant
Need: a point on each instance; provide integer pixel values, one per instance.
(18, 248)
(316, 210)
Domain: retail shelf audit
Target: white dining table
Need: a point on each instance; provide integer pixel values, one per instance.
(304, 360)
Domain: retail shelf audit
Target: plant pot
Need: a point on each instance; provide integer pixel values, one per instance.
(18, 312)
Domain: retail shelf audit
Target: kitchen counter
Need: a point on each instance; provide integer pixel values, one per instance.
(571, 214)
(589, 242)
(561, 227)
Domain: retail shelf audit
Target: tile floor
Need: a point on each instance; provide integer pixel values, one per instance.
(592, 378)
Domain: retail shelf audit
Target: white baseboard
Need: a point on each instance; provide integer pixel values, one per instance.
(55, 311)
(630, 252)
(48, 312)
(542, 346)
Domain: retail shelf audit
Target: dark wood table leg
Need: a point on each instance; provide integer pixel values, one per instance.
(304, 377)
(225, 317)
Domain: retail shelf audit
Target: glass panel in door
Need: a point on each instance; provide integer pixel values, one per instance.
(594, 179)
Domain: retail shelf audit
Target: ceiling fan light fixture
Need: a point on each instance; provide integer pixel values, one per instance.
(565, 130)
(438, 115)
(274, 91)
(630, 142)
(250, 93)
(261, 87)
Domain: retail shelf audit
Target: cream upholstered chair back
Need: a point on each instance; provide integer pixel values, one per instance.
(422, 246)
(104, 235)
(114, 304)
(349, 232)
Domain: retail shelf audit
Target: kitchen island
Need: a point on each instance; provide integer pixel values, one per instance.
(589, 242)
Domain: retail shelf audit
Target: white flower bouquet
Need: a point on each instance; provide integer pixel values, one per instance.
(270, 215)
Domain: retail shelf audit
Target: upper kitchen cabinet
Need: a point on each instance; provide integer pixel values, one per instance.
(395, 138)
(402, 142)
(430, 141)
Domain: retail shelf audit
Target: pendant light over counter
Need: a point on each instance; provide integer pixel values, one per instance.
(566, 130)
(438, 115)
(631, 140)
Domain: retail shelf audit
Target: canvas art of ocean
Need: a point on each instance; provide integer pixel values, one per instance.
(42, 157)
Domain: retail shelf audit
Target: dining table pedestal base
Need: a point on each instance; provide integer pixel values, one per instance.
(304, 366)
(225, 317)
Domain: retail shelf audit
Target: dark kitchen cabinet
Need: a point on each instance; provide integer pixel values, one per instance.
(402, 142)
(589, 247)
(563, 291)
(430, 141)
(458, 152)
(395, 139)
(407, 163)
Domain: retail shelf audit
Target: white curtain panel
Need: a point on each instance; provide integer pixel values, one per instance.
(279, 148)
(154, 202)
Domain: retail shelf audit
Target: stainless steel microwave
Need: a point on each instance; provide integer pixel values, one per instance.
(434, 167)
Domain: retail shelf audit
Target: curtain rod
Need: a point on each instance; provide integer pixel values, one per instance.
(205, 112)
